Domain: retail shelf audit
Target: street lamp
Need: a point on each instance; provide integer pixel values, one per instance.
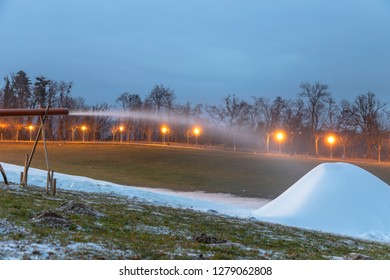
(196, 132)
(2, 127)
(121, 128)
(113, 131)
(164, 130)
(30, 128)
(83, 129)
(280, 137)
(331, 139)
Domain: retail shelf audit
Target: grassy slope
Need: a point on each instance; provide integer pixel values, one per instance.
(134, 229)
(242, 174)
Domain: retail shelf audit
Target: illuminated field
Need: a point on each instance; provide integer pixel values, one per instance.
(242, 174)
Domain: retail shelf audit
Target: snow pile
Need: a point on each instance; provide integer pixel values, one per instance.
(338, 198)
(221, 203)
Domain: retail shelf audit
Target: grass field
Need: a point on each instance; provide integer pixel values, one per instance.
(182, 169)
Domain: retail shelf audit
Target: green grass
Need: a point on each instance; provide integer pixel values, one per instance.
(242, 174)
(133, 229)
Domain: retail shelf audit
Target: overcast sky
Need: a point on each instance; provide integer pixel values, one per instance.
(202, 49)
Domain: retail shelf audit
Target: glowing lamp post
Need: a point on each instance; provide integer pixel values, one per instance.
(196, 132)
(164, 131)
(2, 126)
(280, 137)
(331, 139)
(30, 128)
(121, 128)
(83, 129)
(113, 131)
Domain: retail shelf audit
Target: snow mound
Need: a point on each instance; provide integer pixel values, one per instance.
(338, 198)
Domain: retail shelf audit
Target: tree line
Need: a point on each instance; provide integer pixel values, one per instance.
(361, 126)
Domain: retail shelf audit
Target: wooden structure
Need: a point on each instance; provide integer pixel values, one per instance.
(43, 114)
(4, 175)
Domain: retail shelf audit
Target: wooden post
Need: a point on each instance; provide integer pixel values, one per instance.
(24, 179)
(40, 131)
(54, 186)
(51, 182)
(4, 175)
(48, 181)
(44, 143)
(52, 178)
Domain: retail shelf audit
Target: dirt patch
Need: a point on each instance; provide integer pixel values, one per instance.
(356, 256)
(73, 207)
(208, 239)
(52, 219)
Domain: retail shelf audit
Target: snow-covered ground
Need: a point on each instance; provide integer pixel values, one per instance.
(338, 198)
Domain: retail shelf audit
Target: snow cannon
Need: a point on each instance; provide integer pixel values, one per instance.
(43, 113)
(33, 112)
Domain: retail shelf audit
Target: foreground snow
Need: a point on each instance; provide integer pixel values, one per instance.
(337, 198)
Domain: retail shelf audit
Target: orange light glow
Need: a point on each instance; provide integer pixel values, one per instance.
(196, 131)
(331, 139)
(280, 136)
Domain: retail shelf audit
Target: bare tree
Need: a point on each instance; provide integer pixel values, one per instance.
(216, 114)
(332, 111)
(345, 127)
(292, 115)
(381, 136)
(161, 98)
(316, 95)
(100, 124)
(74, 123)
(270, 116)
(129, 102)
(189, 116)
(364, 114)
(64, 100)
(233, 114)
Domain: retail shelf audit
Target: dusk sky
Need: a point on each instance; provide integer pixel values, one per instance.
(202, 49)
